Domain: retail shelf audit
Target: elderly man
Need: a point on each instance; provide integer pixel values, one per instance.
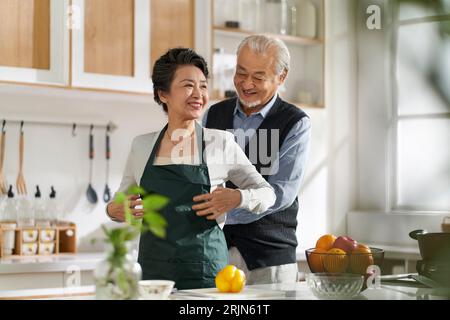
(266, 126)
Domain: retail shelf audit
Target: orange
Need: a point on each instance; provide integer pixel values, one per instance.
(336, 261)
(315, 260)
(360, 259)
(230, 279)
(325, 242)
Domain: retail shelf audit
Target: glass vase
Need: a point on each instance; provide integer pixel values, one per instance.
(117, 276)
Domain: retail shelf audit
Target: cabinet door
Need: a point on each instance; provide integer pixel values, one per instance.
(110, 49)
(34, 41)
(172, 26)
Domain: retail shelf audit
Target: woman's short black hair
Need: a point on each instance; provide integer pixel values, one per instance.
(166, 66)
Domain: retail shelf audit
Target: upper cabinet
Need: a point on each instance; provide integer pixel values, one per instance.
(34, 41)
(95, 44)
(299, 23)
(173, 24)
(111, 45)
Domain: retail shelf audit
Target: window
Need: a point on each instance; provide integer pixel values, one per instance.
(421, 119)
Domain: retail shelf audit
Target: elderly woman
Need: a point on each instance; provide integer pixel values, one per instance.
(189, 164)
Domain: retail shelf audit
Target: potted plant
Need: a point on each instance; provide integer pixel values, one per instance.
(117, 277)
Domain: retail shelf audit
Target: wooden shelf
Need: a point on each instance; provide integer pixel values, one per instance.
(63, 239)
(304, 41)
(308, 105)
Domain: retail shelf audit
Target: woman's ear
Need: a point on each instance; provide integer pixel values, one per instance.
(162, 96)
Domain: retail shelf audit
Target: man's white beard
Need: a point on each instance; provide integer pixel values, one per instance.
(250, 105)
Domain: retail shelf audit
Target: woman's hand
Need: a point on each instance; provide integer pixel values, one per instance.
(117, 212)
(217, 202)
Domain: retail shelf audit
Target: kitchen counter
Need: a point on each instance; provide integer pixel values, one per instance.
(52, 271)
(291, 291)
(50, 263)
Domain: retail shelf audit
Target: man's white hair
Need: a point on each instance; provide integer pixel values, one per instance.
(261, 44)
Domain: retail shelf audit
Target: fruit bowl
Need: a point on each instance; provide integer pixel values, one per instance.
(334, 285)
(339, 261)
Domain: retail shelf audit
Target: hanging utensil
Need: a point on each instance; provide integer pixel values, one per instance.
(90, 192)
(20, 182)
(3, 182)
(107, 192)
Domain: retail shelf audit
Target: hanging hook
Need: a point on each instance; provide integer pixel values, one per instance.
(108, 129)
(3, 126)
(74, 127)
(92, 128)
(21, 126)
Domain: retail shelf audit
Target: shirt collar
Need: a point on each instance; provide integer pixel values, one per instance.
(263, 112)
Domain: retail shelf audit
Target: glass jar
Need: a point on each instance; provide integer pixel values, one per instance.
(250, 15)
(8, 221)
(117, 276)
(25, 212)
(277, 14)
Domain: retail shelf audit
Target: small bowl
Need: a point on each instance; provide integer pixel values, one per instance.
(29, 235)
(334, 286)
(46, 247)
(29, 248)
(155, 289)
(47, 235)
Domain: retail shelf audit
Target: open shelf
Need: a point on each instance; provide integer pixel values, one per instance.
(33, 241)
(304, 41)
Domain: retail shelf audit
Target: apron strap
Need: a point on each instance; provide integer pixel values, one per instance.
(200, 142)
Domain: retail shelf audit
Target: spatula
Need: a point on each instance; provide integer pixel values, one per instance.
(3, 182)
(20, 182)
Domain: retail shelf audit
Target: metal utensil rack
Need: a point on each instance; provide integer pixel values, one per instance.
(110, 126)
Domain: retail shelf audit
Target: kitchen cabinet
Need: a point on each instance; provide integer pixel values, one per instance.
(174, 26)
(53, 271)
(232, 21)
(91, 44)
(110, 49)
(34, 45)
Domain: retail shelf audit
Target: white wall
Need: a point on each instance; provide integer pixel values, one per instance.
(54, 157)
(328, 191)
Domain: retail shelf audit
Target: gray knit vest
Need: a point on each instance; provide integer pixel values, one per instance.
(271, 240)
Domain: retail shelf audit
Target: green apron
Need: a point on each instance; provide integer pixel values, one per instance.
(194, 249)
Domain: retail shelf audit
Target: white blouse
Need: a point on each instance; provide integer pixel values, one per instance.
(225, 161)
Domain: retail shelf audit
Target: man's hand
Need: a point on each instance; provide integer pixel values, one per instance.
(217, 202)
(117, 212)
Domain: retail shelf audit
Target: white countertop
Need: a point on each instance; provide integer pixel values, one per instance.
(290, 291)
(51, 263)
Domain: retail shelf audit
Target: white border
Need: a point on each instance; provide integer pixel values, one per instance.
(59, 57)
(141, 81)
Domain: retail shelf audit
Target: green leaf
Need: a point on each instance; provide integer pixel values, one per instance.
(120, 198)
(154, 202)
(153, 218)
(158, 231)
(137, 190)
